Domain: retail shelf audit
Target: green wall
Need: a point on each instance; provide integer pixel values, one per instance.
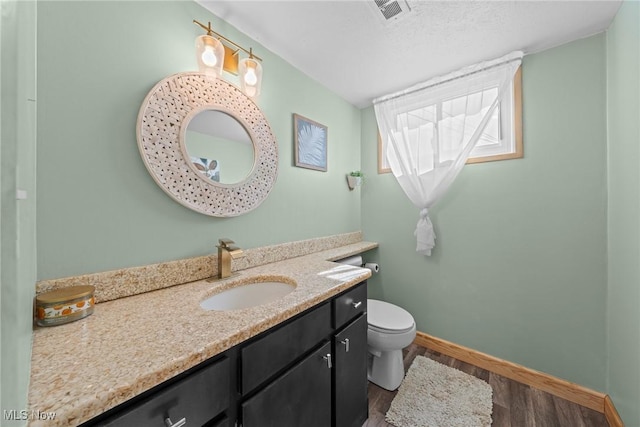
(17, 171)
(98, 207)
(519, 267)
(623, 302)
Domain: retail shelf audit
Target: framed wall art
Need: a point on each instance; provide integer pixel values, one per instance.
(310, 143)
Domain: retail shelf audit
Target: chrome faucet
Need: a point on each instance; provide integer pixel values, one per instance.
(226, 251)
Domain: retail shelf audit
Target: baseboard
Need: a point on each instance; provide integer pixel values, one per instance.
(567, 390)
(611, 414)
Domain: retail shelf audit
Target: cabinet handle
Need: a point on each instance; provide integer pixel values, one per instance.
(328, 359)
(168, 423)
(346, 345)
(356, 305)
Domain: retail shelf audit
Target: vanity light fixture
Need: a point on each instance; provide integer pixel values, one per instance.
(214, 53)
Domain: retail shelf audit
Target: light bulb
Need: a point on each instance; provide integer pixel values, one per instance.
(209, 57)
(250, 77)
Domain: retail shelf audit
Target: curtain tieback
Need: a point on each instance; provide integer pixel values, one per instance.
(426, 237)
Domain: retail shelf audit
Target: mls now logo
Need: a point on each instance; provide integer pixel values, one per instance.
(23, 415)
(15, 415)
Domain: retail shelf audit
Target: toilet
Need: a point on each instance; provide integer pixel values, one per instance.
(391, 329)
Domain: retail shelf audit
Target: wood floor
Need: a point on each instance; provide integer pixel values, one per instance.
(514, 404)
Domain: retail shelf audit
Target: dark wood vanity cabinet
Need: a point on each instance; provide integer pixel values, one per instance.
(309, 371)
(323, 387)
(284, 382)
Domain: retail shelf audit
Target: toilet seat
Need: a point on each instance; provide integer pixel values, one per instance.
(389, 331)
(388, 318)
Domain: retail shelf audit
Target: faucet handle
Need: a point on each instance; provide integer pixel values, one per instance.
(225, 241)
(235, 251)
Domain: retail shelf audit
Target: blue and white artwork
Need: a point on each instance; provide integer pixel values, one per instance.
(207, 167)
(310, 144)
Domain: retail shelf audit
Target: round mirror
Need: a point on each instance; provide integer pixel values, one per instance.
(164, 132)
(219, 147)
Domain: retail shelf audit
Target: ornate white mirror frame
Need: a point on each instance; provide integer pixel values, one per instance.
(162, 122)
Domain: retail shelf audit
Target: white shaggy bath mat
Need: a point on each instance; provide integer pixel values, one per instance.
(435, 395)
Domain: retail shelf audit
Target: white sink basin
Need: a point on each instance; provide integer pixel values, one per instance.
(247, 295)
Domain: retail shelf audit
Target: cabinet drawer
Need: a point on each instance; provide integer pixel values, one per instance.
(278, 348)
(300, 397)
(198, 398)
(350, 304)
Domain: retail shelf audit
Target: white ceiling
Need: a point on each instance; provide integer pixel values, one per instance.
(349, 48)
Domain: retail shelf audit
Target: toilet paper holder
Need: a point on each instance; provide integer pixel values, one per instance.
(357, 261)
(374, 267)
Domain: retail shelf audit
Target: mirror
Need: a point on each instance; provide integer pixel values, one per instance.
(164, 135)
(219, 147)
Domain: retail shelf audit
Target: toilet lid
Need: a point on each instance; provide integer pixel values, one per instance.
(383, 315)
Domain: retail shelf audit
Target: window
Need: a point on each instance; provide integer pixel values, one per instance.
(501, 140)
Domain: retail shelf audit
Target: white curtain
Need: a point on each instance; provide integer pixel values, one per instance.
(430, 129)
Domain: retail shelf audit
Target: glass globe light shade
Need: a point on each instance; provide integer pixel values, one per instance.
(250, 72)
(210, 55)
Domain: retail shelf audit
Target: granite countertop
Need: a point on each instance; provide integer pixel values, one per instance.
(132, 344)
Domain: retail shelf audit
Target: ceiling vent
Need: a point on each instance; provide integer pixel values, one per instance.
(391, 10)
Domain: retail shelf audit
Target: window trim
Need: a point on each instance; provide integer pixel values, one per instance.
(517, 126)
(517, 132)
(381, 167)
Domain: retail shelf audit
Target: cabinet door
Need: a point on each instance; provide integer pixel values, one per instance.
(300, 397)
(351, 401)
